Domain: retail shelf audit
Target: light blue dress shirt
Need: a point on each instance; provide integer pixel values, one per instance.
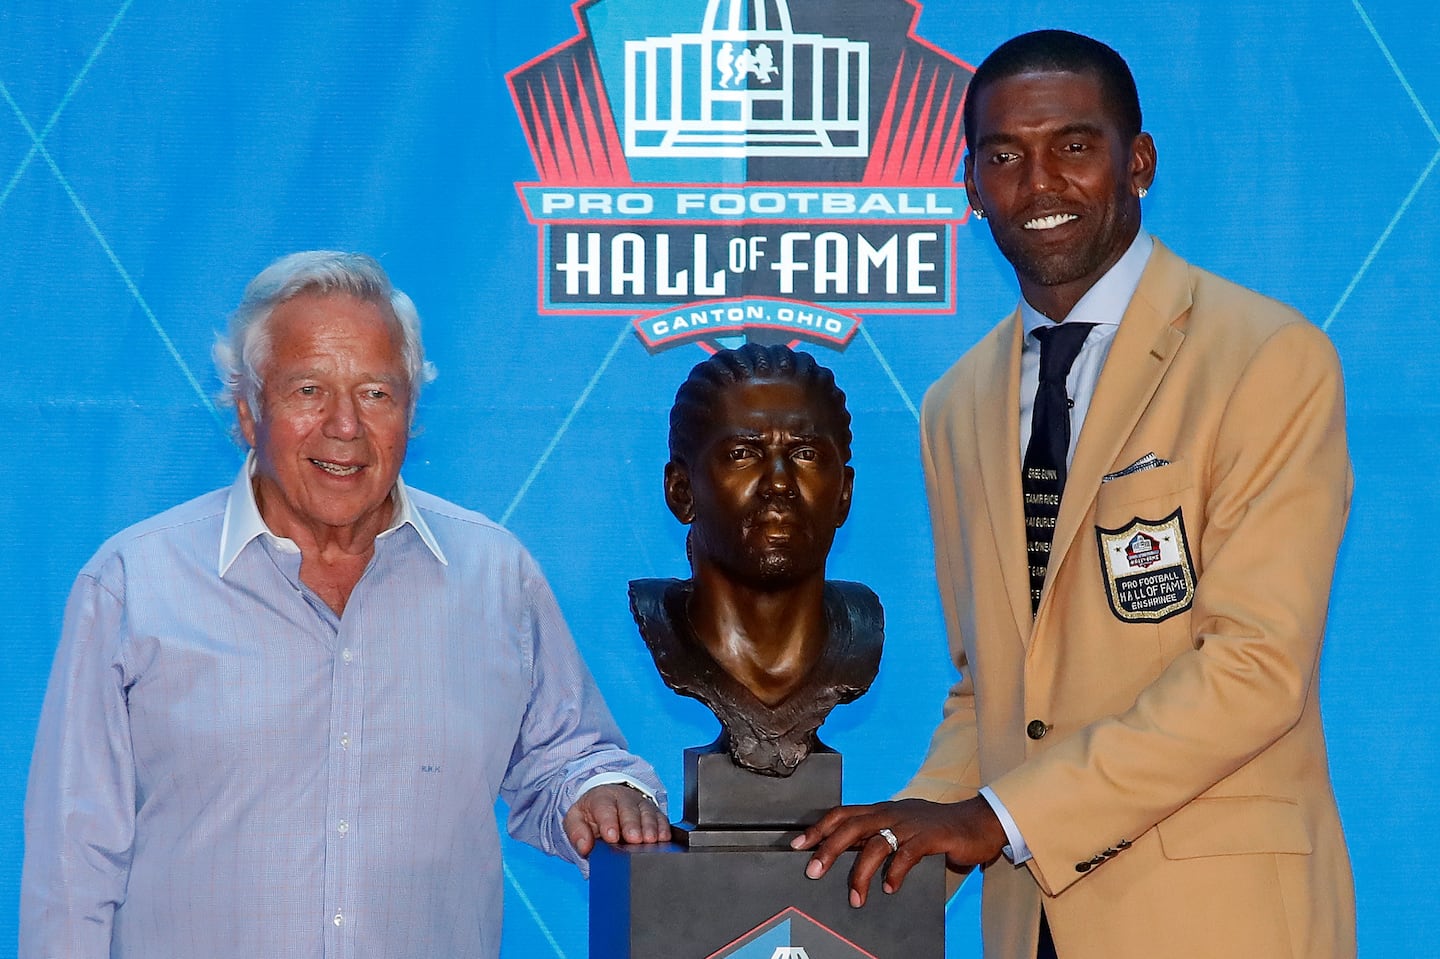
(224, 768)
(1103, 305)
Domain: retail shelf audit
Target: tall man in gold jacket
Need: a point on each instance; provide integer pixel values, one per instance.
(1138, 763)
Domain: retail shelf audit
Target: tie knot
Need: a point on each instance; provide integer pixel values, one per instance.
(1059, 345)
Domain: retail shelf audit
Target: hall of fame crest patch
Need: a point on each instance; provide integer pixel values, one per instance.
(1147, 569)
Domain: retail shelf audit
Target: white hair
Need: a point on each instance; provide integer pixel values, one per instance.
(242, 352)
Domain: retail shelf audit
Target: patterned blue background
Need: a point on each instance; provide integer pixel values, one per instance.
(154, 155)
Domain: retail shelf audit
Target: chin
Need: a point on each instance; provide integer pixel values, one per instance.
(777, 570)
(1053, 271)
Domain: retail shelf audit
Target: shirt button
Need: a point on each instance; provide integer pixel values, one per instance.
(339, 920)
(346, 655)
(343, 828)
(344, 740)
(1037, 729)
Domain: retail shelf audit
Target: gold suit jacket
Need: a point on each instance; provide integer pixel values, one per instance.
(1165, 763)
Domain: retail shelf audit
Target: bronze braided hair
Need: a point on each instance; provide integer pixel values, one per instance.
(700, 392)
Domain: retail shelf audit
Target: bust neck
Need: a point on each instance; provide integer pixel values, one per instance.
(768, 639)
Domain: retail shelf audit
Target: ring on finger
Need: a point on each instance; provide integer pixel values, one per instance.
(889, 837)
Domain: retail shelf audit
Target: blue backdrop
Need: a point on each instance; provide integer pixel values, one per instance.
(155, 155)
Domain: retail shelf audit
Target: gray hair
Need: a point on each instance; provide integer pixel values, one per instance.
(244, 349)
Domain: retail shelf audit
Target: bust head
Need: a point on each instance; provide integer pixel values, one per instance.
(759, 470)
(759, 454)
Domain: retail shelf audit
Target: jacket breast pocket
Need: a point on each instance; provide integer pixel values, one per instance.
(1145, 556)
(1157, 490)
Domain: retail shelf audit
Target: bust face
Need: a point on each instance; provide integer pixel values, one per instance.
(767, 488)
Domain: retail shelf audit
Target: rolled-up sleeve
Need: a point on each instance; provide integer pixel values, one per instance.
(568, 734)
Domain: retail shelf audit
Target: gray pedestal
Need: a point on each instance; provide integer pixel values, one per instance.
(668, 902)
(729, 806)
(730, 886)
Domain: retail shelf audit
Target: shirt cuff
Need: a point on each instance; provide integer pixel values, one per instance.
(612, 779)
(1016, 850)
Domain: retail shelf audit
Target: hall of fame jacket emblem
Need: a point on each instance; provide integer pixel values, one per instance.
(1147, 569)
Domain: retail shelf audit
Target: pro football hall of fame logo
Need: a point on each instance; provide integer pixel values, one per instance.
(791, 935)
(724, 170)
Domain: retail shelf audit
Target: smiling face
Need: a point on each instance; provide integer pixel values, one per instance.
(1058, 181)
(334, 418)
(767, 487)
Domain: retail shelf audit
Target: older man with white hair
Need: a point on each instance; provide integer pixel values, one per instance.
(281, 714)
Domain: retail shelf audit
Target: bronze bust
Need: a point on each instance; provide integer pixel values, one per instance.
(759, 454)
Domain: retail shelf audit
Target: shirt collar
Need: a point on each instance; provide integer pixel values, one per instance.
(243, 521)
(1105, 302)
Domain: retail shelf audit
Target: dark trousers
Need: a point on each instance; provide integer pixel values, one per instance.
(1046, 949)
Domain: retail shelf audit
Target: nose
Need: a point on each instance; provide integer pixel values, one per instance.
(1043, 174)
(779, 481)
(342, 419)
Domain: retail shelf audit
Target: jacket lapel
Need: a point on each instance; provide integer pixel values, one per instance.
(1143, 349)
(997, 432)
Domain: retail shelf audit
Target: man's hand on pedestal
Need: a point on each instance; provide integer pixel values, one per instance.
(614, 813)
(967, 833)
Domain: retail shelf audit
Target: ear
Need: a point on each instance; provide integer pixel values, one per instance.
(247, 421)
(1142, 163)
(845, 492)
(677, 492)
(971, 192)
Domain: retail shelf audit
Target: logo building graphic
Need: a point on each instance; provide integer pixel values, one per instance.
(791, 934)
(746, 85)
(723, 170)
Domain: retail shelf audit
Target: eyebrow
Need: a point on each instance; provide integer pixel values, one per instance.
(1002, 138)
(1081, 126)
(756, 435)
(391, 381)
(739, 434)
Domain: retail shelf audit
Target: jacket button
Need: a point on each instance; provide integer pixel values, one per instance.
(1037, 729)
(1082, 867)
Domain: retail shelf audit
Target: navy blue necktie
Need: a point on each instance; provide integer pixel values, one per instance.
(1043, 473)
